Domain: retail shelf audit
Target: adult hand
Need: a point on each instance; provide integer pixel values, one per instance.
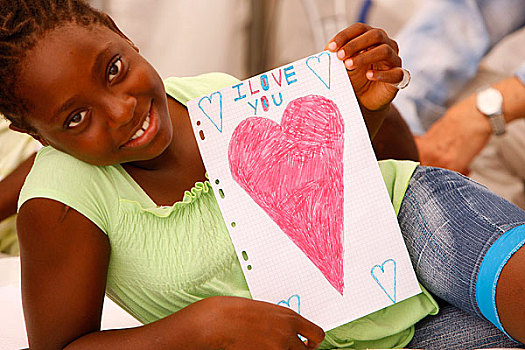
(456, 139)
(239, 323)
(372, 61)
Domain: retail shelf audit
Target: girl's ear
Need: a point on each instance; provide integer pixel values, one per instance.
(115, 28)
(32, 134)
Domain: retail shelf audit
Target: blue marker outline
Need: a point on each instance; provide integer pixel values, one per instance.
(209, 98)
(287, 303)
(383, 271)
(318, 57)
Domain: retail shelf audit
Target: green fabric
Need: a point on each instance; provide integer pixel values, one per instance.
(165, 258)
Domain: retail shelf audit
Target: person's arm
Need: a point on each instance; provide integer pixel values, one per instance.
(64, 261)
(444, 42)
(394, 140)
(510, 299)
(10, 187)
(374, 67)
(463, 131)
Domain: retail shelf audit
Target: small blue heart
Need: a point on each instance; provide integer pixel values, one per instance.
(319, 68)
(381, 277)
(209, 100)
(293, 302)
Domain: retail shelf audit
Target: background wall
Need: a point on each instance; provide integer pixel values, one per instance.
(241, 37)
(246, 37)
(182, 37)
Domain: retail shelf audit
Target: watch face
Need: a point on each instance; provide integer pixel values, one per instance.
(489, 101)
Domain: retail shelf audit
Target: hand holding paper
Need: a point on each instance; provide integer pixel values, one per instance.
(373, 66)
(239, 323)
(372, 61)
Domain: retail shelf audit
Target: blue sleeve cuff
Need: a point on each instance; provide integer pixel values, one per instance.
(493, 262)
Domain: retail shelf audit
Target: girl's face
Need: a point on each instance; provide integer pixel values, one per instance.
(91, 95)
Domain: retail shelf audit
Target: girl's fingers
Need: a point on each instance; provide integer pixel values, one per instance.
(310, 331)
(365, 42)
(359, 37)
(379, 54)
(347, 34)
(393, 76)
(297, 344)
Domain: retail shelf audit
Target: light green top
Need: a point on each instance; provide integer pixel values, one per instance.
(165, 258)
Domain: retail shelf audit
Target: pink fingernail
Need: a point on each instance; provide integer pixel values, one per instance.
(332, 46)
(349, 63)
(341, 54)
(369, 75)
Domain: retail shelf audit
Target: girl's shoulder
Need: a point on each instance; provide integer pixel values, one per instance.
(49, 157)
(52, 166)
(87, 188)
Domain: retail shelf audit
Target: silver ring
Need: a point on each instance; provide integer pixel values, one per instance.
(404, 82)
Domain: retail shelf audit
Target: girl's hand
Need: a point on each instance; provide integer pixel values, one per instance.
(239, 323)
(372, 61)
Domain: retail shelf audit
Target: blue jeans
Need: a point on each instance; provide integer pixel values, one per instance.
(449, 222)
(453, 328)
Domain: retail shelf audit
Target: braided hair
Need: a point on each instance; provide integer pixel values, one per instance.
(22, 24)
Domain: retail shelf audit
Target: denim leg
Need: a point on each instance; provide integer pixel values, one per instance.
(449, 222)
(453, 328)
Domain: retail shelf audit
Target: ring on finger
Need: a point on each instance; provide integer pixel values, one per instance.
(404, 81)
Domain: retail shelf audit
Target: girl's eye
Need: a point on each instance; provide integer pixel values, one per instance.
(76, 119)
(114, 69)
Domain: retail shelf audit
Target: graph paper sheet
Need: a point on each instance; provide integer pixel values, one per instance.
(291, 164)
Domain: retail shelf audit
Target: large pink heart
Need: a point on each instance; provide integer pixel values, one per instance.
(294, 171)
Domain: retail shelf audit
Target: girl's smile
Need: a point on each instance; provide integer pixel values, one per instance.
(145, 131)
(92, 95)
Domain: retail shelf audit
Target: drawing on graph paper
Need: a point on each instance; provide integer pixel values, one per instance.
(320, 66)
(294, 172)
(293, 302)
(211, 106)
(385, 276)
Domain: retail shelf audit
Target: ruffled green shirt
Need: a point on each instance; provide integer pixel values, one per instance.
(164, 258)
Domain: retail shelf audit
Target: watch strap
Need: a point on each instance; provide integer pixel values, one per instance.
(497, 121)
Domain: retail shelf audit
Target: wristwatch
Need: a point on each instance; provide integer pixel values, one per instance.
(489, 101)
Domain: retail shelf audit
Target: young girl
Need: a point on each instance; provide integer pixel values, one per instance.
(119, 203)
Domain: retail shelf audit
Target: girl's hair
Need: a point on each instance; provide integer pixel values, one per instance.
(22, 24)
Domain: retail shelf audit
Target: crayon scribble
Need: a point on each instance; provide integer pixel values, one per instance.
(294, 172)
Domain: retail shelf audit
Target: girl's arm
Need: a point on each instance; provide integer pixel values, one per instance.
(374, 67)
(394, 140)
(64, 260)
